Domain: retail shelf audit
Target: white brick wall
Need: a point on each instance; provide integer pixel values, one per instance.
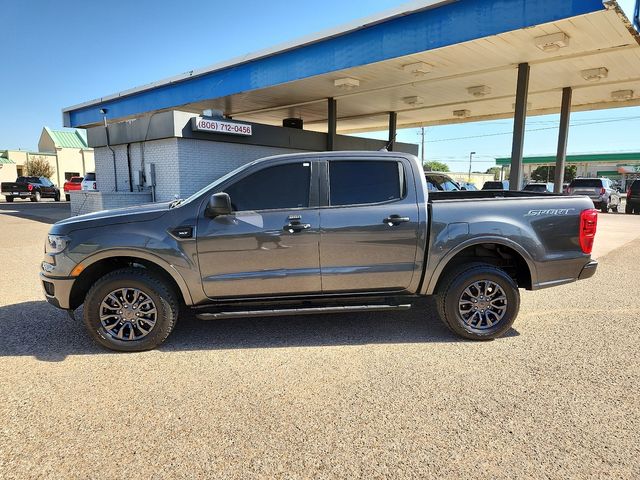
(88, 201)
(183, 166)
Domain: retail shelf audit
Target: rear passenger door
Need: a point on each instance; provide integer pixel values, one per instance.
(369, 225)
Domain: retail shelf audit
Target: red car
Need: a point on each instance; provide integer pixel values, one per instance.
(74, 183)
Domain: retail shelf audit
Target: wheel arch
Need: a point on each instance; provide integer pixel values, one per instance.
(497, 251)
(101, 263)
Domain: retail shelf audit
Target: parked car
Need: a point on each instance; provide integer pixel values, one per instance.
(33, 188)
(496, 185)
(74, 183)
(599, 190)
(89, 182)
(539, 187)
(249, 244)
(440, 182)
(565, 188)
(468, 186)
(633, 198)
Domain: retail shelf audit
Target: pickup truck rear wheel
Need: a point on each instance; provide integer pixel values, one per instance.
(130, 310)
(478, 301)
(35, 197)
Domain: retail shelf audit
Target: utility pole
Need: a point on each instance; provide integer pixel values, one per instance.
(470, 158)
(422, 145)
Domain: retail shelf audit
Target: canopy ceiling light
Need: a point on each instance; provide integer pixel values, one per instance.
(462, 113)
(479, 90)
(553, 42)
(346, 83)
(413, 100)
(595, 74)
(622, 95)
(417, 69)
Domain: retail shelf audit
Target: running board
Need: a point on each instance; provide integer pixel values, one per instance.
(302, 311)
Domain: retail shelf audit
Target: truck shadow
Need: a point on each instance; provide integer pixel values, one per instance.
(46, 211)
(37, 329)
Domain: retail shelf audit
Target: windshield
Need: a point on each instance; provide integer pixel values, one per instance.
(440, 183)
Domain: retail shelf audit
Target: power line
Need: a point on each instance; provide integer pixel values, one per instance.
(531, 130)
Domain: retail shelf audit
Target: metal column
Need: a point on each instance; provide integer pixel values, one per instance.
(519, 121)
(563, 136)
(332, 117)
(393, 124)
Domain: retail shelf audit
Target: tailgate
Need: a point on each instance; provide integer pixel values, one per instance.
(12, 187)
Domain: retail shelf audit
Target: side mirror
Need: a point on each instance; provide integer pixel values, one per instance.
(219, 204)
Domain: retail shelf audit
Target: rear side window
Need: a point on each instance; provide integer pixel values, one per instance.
(90, 177)
(365, 182)
(280, 186)
(587, 183)
(635, 186)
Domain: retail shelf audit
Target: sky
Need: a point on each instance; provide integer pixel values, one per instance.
(58, 54)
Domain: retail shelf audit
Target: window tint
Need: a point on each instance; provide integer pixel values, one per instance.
(635, 186)
(45, 182)
(586, 182)
(280, 186)
(90, 177)
(360, 182)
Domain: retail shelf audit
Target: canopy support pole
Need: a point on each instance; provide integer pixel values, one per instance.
(519, 123)
(563, 137)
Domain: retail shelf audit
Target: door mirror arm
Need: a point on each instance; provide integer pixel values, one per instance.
(219, 204)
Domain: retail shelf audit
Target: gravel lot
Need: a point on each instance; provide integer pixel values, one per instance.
(366, 395)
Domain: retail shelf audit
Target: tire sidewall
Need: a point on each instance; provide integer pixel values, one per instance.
(469, 277)
(91, 315)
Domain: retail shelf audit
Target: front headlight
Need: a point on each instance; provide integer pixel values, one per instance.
(56, 243)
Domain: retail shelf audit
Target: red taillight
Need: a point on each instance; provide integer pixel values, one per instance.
(588, 226)
(569, 190)
(94, 185)
(30, 187)
(603, 191)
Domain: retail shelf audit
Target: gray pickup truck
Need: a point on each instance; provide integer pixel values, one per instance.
(316, 233)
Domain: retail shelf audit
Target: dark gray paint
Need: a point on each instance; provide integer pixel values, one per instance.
(346, 250)
(519, 123)
(563, 138)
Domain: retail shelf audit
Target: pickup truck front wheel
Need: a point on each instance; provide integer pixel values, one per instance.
(478, 301)
(130, 310)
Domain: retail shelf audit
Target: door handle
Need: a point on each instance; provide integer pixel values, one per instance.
(394, 220)
(295, 226)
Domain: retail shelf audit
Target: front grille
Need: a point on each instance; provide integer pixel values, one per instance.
(49, 288)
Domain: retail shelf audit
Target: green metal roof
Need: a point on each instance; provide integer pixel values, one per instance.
(581, 158)
(5, 160)
(68, 138)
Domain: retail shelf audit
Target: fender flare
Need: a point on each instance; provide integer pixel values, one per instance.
(442, 265)
(143, 255)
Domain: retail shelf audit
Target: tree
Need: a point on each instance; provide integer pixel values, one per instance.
(39, 167)
(547, 174)
(495, 171)
(436, 167)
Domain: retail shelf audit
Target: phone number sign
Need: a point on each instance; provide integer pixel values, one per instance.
(219, 126)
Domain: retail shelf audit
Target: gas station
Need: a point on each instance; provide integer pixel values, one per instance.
(428, 63)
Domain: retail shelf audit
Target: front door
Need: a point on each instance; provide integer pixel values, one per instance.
(269, 244)
(369, 225)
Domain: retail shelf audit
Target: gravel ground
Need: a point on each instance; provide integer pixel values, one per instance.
(363, 395)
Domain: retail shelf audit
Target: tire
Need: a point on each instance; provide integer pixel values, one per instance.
(116, 324)
(36, 197)
(604, 208)
(56, 197)
(628, 209)
(67, 197)
(461, 280)
(615, 208)
(9, 199)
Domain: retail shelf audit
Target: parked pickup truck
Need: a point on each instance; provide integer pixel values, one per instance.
(316, 233)
(33, 188)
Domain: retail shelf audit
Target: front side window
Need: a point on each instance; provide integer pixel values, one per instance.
(277, 187)
(365, 182)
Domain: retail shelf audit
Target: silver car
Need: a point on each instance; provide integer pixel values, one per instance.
(600, 190)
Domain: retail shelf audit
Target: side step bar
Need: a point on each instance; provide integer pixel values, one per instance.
(301, 311)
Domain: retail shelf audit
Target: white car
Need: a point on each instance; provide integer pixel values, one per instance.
(89, 182)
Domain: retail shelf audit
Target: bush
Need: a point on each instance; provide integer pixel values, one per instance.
(39, 167)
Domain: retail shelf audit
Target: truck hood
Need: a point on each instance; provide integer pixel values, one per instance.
(138, 213)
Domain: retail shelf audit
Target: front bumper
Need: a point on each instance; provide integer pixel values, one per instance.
(588, 270)
(57, 290)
